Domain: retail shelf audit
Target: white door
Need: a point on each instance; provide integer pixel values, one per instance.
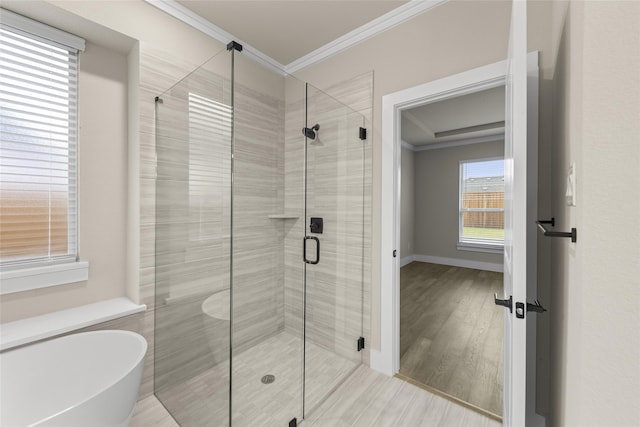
(520, 278)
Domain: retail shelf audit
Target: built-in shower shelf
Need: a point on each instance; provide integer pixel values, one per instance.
(283, 216)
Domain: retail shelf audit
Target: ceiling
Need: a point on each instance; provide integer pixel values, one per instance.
(421, 124)
(289, 30)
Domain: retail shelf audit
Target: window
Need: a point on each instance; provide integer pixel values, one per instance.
(481, 224)
(38, 143)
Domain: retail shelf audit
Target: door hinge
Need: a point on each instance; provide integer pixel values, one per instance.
(293, 422)
(362, 133)
(395, 253)
(360, 343)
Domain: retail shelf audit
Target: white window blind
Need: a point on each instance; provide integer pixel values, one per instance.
(38, 143)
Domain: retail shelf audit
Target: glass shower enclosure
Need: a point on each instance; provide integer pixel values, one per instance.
(259, 245)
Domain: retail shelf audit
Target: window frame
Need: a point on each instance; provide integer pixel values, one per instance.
(39, 271)
(469, 244)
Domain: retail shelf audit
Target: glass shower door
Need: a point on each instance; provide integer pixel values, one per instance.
(266, 335)
(246, 332)
(333, 244)
(192, 245)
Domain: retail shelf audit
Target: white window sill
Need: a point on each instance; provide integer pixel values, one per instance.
(489, 248)
(37, 328)
(26, 279)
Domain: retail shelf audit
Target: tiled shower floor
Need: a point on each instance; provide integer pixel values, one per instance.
(203, 400)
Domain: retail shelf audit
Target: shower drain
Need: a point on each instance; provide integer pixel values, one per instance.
(268, 379)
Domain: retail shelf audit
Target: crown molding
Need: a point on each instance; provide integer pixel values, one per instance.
(191, 18)
(455, 143)
(405, 144)
(385, 22)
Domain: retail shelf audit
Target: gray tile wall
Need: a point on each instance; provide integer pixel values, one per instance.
(339, 184)
(258, 241)
(192, 250)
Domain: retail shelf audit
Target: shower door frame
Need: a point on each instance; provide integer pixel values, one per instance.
(174, 172)
(357, 136)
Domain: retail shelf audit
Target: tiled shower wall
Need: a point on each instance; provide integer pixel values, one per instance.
(339, 287)
(258, 240)
(193, 145)
(193, 232)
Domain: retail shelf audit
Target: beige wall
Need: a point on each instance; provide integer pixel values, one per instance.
(437, 183)
(407, 198)
(454, 37)
(595, 282)
(115, 136)
(102, 190)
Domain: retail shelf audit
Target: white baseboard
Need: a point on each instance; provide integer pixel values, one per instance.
(455, 262)
(380, 362)
(407, 260)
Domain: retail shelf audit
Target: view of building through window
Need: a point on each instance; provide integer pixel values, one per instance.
(482, 201)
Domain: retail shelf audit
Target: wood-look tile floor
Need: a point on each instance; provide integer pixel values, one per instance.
(367, 398)
(451, 332)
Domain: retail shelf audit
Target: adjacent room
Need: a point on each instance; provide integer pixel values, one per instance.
(452, 234)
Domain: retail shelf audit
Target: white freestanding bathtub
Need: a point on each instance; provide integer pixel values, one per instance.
(88, 379)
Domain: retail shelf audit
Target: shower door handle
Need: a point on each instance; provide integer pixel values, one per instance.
(304, 249)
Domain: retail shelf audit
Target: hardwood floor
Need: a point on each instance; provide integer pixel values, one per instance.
(451, 332)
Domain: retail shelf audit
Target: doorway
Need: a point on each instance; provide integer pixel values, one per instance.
(451, 247)
(519, 396)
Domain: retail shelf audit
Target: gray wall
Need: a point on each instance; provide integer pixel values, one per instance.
(407, 209)
(436, 200)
